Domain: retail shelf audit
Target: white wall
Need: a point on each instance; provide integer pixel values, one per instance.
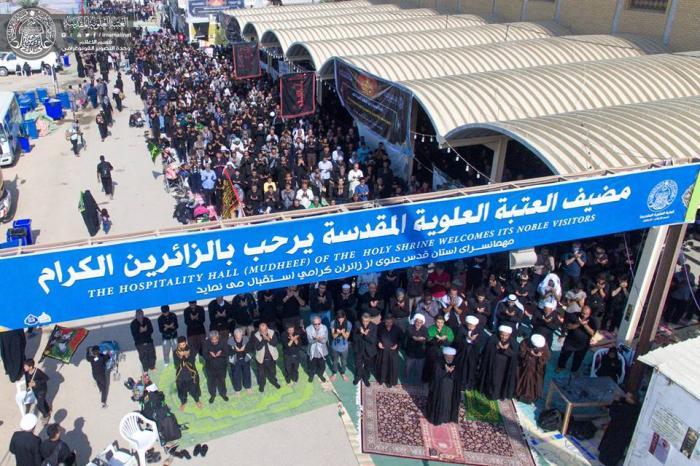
(668, 411)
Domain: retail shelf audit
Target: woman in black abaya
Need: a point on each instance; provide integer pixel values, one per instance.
(13, 344)
(90, 212)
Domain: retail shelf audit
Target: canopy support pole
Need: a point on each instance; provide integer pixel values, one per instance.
(659, 291)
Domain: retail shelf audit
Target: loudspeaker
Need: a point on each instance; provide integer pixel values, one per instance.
(522, 259)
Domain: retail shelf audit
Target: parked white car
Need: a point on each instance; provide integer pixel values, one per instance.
(10, 60)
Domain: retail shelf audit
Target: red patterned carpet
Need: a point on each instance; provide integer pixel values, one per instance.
(393, 424)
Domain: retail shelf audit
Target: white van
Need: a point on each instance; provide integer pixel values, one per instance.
(10, 128)
(6, 210)
(10, 60)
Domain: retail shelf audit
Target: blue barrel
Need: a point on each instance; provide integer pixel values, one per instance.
(66, 60)
(32, 96)
(53, 109)
(41, 93)
(26, 101)
(24, 144)
(65, 100)
(29, 128)
(26, 225)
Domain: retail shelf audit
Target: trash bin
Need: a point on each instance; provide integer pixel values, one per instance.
(26, 101)
(24, 144)
(66, 60)
(29, 128)
(26, 225)
(42, 93)
(53, 109)
(65, 100)
(19, 234)
(32, 97)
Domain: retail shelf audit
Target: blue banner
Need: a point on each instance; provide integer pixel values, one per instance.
(59, 286)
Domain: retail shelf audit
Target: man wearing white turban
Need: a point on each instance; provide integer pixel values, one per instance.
(498, 369)
(444, 395)
(25, 444)
(532, 364)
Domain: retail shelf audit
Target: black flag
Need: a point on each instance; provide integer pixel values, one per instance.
(297, 94)
(246, 60)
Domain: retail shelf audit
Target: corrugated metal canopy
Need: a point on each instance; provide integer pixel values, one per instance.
(319, 52)
(253, 29)
(313, 14)
(425, 64)
(678, 362)
(608, 137)
(453, 102)
(248, 12)
(283, 38)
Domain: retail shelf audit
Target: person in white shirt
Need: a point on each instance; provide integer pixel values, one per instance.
(354, 177)
(305, 194)
(326, 167)
(338, 156)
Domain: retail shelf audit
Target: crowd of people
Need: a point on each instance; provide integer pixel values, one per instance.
(225, 141)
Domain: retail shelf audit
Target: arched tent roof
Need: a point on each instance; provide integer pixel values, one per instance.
(312, 14)
(283, 38)
(454, 102)
(254, 29)
(610, 137)
(319, 52)
(248, 12)
(425, 64)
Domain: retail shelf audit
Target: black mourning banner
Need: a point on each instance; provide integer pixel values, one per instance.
(246, 60)
(297, 94)
(376, 103)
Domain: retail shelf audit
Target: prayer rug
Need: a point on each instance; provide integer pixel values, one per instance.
(393, 424)
(480, 408)
(241, 412)
(63, 343)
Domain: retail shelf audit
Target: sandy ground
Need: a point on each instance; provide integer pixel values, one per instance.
(47, 181)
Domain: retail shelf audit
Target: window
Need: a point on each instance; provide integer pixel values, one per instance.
(654, 5)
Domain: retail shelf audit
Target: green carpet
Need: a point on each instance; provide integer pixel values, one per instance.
(243, 412)
(480, 408)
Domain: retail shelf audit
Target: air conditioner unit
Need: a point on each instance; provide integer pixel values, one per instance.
(522, 259)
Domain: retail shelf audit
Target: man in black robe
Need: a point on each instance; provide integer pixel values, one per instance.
(293, 341)
(13, 344)
(499, 363)
(25, 445)
(532, 365)
(186, 374)
(445, 394)
(98, 365)
(470, 341)
(364, 344)
(194, 320)
(216, 365)
(618, 434)
(142, 332)
(387, 364)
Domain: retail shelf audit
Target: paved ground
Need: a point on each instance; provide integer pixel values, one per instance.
(90, 428)
(48, 180)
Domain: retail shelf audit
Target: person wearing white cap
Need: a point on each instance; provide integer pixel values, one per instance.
(25, 445)
(509, 311)
(470, 341)
(532, 364)
(416, 336)
(445, 394)
(546, 321)
(439, 335)
(499, 364)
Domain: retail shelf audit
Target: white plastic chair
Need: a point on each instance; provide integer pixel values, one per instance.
(131, 427)
(598, 358)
